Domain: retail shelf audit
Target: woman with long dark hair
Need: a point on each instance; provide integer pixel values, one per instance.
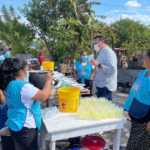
(23, 101)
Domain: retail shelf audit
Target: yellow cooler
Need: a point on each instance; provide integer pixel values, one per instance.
(48, 65)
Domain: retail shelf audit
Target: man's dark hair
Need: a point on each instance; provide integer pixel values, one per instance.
(101, 38)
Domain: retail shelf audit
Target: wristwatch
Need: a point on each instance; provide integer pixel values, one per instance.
(99, 65)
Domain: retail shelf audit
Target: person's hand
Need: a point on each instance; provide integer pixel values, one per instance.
(95, 72)
(49, 76)
(90, 78)
(77, 79)
(126, 114)
(94, 63)
(148, 127)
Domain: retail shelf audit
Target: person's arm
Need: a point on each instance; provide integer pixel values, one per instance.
(93, 74)
(148, 127)
(2, 97)
(38, 60)
(75, 74)
(43, 94)
(126, 114)
(109, 68)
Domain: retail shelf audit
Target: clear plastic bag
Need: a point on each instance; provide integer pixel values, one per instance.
(49, 112)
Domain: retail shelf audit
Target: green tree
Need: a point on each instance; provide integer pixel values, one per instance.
(14, 33)
(43, 15)
(66, 26)
(46, 15)
(76, 33)
(132, 35)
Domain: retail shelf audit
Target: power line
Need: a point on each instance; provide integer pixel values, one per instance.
(125, 6)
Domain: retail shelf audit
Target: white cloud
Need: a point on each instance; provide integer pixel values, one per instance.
(24, 20)
(21, 20)
(137, 17)
(133, 3)
(121, 11)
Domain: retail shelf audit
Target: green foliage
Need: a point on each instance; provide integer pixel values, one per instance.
(33, 52)
(132, 35)
(66, 26)
(76, 32)
(40, 44)
(15, 34)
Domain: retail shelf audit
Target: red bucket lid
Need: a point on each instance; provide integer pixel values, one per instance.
(93, 142)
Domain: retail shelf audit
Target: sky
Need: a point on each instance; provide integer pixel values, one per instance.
(133, 9)
(138, 10)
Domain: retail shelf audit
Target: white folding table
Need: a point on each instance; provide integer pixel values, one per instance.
(69, 125)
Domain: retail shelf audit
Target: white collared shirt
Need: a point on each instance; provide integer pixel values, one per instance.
(107, 76)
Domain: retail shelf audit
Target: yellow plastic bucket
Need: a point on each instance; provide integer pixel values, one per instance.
(68, 99)
(48, 65)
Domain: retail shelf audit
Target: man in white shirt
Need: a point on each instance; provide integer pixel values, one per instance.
(106, 69)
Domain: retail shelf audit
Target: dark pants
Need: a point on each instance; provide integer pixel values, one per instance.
(104, 92)
(3, 115)
(88, 84)
(25, 139)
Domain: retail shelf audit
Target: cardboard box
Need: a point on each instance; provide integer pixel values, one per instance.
(63, 70)
(70, 68)
(69, 71)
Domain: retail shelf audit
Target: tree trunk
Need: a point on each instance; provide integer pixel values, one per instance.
(49, 50)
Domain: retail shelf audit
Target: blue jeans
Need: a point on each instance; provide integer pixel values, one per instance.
(104, 92)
